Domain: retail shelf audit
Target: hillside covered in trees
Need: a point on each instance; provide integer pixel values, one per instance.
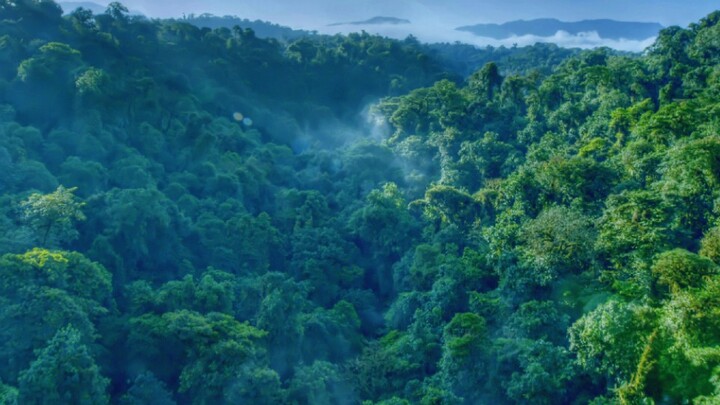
(199, 216)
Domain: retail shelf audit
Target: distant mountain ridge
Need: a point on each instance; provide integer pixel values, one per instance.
(546, 27)
(374, 21)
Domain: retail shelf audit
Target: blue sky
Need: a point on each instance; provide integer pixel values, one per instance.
(312, 12)
(435, 20)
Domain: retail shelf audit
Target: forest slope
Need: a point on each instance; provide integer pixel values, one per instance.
(202, 216)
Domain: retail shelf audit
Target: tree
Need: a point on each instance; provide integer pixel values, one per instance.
(384, 230)
(679, 269)
(332, 334)
(51, 215)
(47, 77)
(634, 225)
(485, 82)
(41, 292)
(117, 11)
(145, 390)
(465, 351)
(93, 83)
(688, 364)
(558, 241)
(255, 241)
(8, 395)
(449, 205)
(710, 244)
(610, 340)
(55, 61)
(464, 337)
(143, 227)
(537, 320)
(64, 372)
(544, 371)
(484, 159)
(68, 271)
(206, 354)
(318, 383)
(385, 366)
(691, 178)
(565, 180)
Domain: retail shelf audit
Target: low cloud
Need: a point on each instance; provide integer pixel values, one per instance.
(431, 32)
(429, 21)
(581, 40)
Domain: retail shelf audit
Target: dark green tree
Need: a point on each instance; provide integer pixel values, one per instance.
(64, 372)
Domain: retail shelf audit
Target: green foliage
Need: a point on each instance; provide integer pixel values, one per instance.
(558, 241)
(319, 383)
(251, 240)
(147, 389)
(690, 180)
(44, 291)
(450, 205)
(544, 371)
(209, 352)
(634, 222)
(92, 83)
(680, 269)
(335, 331)
(537, 320)
(385, 214)
(53, 58)
(566, 180)
(610, 340)
(64, 372)
(117, 11)
(51, 215)
(8, 395)
(464, 336)
(68, 271)
(710, 245)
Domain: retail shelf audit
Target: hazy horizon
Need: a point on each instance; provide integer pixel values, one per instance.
(460, 12)
(434, 21)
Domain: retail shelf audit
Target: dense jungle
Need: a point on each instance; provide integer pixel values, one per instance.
(203, 216)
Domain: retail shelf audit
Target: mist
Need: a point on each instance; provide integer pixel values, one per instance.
(255, 215)
(437, 33)
(436, 22)
(321, 12)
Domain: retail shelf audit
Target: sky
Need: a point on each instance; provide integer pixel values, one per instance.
(435, 20)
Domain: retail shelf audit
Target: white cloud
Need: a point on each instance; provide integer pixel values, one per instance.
(581, 40)
(432, 21)
(429, 31)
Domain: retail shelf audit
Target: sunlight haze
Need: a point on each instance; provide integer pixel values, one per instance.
(435, 21)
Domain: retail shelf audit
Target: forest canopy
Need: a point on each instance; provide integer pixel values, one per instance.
(202, 216)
